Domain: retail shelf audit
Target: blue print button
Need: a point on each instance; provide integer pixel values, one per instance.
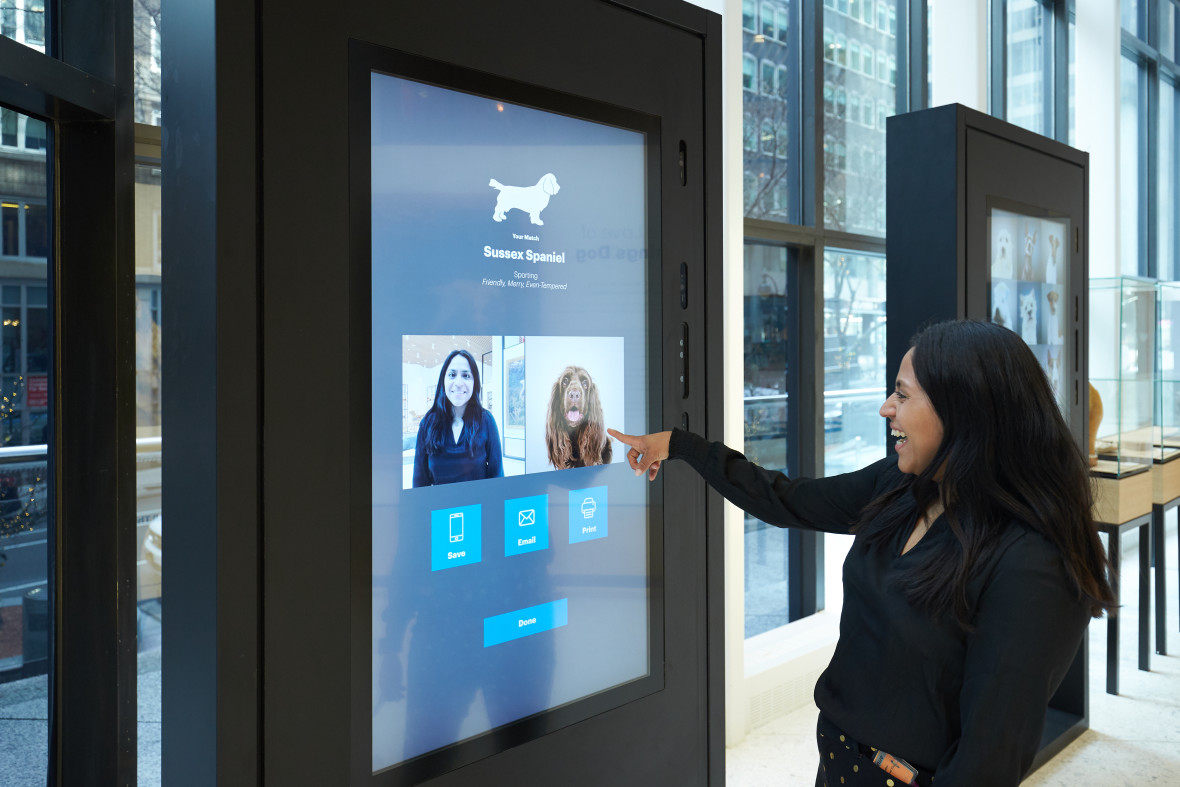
(525, 622)
(526, 524)
(455, 537)
(587, 514)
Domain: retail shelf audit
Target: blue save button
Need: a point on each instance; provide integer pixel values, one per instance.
(523, 622)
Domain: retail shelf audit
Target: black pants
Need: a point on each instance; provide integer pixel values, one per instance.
(843, 761)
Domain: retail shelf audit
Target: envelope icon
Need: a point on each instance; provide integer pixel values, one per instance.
(526, 517)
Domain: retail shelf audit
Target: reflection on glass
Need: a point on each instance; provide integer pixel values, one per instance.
(24, 21)
(146, 53)
(860, 90)
(770, 343)
(148, 463)
(770, 82)
(1129, 167)
(1167, 397)
(854, 359)
(1029, 49)
(24, 406)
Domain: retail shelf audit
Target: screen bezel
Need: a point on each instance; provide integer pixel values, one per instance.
(365, 59)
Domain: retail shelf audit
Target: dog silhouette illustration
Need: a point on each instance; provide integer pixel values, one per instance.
(530, 199)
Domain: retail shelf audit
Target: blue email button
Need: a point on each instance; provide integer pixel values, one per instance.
(526, 524)
(525, 622)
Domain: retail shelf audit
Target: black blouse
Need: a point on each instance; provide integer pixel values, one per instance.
(967, 706)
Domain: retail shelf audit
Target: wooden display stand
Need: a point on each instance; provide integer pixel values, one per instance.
(1165, 496)
(1120, 505)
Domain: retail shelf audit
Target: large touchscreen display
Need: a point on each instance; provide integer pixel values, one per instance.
(510, 541)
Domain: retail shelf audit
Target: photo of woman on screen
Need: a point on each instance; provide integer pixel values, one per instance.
(457, 439)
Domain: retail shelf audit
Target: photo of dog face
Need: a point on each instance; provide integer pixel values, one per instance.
(1028, 317)
(1030, 245)
(1002, 255)
(1002, 306)
(530, 199)
(575, 433)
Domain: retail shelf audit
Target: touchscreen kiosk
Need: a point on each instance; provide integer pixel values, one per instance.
(514, 579)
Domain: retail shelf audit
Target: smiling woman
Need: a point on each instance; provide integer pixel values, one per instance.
(975, 565)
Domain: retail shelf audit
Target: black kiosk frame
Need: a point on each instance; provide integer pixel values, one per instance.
(973, 202)
(270, 637)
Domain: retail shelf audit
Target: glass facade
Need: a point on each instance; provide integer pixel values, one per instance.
(25, 540)
(771, 81)
(146, 54)
(771, 425)
(854, 359)
(859, 93)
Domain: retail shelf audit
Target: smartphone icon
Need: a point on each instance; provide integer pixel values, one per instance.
(456, 527)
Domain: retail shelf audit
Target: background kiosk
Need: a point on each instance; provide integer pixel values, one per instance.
(983, 217)
(537, 184)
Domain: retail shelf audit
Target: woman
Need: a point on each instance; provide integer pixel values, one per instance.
(457, 439)
(974, 571)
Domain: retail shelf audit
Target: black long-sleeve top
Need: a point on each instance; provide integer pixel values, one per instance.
(968, 706)
(454, 461)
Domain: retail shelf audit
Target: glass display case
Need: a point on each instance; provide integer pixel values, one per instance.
(1166, 442)
(1122, 375)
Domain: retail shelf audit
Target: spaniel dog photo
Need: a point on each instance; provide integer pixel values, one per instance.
(575, 433)
(530, 199)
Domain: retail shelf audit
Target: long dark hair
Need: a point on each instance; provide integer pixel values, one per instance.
(442, 414)
(1006, 455)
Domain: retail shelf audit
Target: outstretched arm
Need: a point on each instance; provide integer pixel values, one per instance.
(828, 504)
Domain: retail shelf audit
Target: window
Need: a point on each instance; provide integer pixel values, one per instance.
(748, 12)
(749, 132)
(8, 122)
(892, 70)
(1168, 241)
(854, 358)
(780, 22)
(882, 73)
(866, 61)
(882, 18)
(854, 54)
(767, 81)
(841, 50)
(841, 103)
(893, 21)
(829, 45)
(783, 149)
(1030, 66)
(1131, 257)
(783, 76)
(24, 228)
(749, 67)
(829, 98)
(882, 113)
(769, 138)
(768, 20)
(770, 420)
(854, 107)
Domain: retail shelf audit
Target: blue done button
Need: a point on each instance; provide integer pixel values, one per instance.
(524, 622)
(456, 537)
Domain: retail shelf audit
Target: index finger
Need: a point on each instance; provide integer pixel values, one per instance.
(630, 440)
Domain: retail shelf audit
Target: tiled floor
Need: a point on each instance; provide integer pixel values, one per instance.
(1134, 738)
